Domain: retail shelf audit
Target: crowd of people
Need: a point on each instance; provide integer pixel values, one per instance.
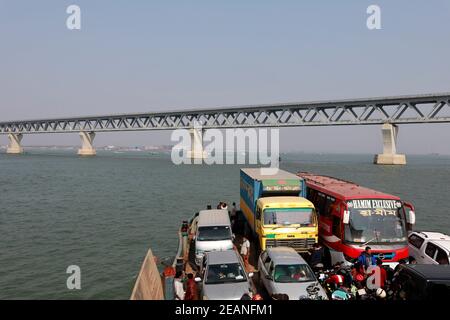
(185, 287)
(367, 278)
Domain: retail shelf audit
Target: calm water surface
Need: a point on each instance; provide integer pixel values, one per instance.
(103, 213)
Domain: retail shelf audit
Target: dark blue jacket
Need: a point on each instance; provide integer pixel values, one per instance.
(362, 260)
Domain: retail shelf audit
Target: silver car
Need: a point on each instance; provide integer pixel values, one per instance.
(284, 271)
(224, 276)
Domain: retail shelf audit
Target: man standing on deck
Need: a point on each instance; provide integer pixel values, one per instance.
(317, 255)
(178, 286)
(383, 273)
(191, 288)
(367, 259)
(245, 250)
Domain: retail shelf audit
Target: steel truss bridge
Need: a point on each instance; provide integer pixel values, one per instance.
(429, 108)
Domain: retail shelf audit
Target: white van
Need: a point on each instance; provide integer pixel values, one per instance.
(213, 233)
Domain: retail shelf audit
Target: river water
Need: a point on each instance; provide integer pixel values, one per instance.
(103, 213)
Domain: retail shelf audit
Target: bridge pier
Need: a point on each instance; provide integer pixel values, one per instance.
(196, 151)
(14, 146)
(87, 139)
(389, 155)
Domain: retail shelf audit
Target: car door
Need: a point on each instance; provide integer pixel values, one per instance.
(415, 244)
(204, 274)
(430, 254)
(261, 259)
(265, 272)
(270, 282)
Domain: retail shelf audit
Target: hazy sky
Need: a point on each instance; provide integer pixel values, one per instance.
(132, 56)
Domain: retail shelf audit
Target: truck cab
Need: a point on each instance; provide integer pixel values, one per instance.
(286, 221)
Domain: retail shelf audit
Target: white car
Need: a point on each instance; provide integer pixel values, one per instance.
(284, 271)
(429, 247)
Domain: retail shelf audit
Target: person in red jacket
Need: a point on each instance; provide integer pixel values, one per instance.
(383, 274)
(191, 288)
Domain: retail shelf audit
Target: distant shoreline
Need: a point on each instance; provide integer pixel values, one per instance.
(168, 148)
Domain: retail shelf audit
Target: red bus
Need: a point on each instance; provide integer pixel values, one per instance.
(352, 217)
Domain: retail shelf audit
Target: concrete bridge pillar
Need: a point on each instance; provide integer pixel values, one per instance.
(389, 155)
(87, 139)
(196, 151)
(14, 146)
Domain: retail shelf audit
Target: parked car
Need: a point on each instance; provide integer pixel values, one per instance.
(422, 282)
(429, 247)
(284, 271)
(224, 276)
(213, 232)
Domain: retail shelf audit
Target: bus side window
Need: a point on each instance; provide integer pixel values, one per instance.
(330, 206)
(312, 195)
(337, 227)
(321, 204)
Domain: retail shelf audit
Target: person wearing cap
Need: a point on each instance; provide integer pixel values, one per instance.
(367, 259)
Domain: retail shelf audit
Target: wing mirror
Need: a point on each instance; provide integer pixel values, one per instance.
(346, 217)
(412, 217)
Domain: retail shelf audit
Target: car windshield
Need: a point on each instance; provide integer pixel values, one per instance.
(288, 216)
(288, 273)
(375, 221)
(225, 273)
(214, 233)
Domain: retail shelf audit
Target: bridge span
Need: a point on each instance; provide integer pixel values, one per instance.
(386, 111)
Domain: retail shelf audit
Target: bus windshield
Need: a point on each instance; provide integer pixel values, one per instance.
(375, 221)
(289, 216)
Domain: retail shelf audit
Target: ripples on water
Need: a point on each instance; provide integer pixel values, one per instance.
(103, 213)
